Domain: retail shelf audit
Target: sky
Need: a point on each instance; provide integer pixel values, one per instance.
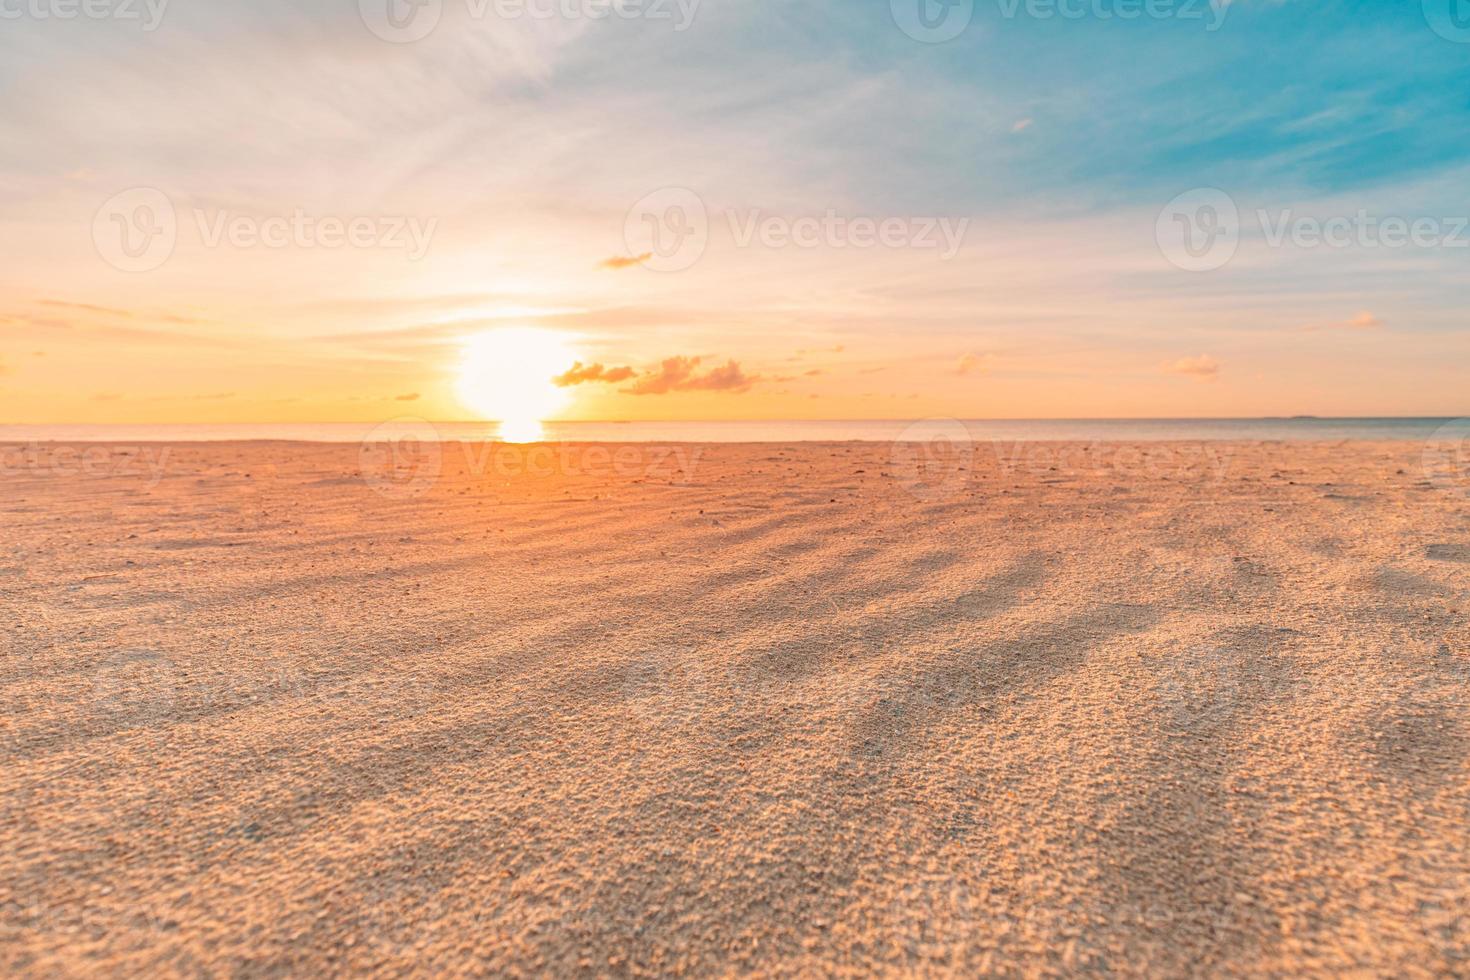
(274, 211)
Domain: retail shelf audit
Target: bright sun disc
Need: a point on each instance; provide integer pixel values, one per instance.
(506, 376)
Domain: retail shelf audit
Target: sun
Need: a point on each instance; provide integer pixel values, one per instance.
(506, 376)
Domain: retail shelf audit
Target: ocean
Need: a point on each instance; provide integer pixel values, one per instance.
(1069, 430)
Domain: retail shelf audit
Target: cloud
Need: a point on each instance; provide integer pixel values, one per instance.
(1363, 321)
(973, 363)
(408, 398)
(113, 311)
(728, 378)
(581, 374)
(86, 307)
(1204, 367)
(679, 374)
(624, 261)
(1022, 125)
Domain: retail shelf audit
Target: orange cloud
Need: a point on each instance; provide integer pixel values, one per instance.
(85, 307)
(624, 261)
(678, 374)
(1204, 367)
(974, 364)
(581, 374)
(1363, 321)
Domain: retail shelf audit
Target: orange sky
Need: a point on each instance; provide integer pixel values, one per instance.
(237, 219)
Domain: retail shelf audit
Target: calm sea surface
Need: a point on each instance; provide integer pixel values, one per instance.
(863, 431)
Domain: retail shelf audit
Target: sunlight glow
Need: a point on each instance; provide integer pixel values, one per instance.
(522, 430)
(506, 376)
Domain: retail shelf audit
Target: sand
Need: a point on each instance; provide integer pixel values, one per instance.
(822, 709)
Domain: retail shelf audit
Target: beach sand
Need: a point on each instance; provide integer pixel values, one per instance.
(816, 709)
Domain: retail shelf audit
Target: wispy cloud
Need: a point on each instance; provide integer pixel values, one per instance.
(1365, 320)
(625, 261)
(86, 307)
(1203, 368)
(973, 363)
